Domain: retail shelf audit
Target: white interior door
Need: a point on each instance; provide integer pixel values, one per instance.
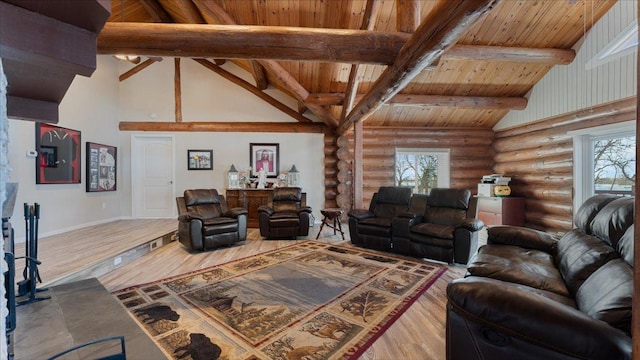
(152, 164)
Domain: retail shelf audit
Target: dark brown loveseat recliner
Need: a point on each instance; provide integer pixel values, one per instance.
(445, 229)
(205, 221)
(372, 228)
(530, 295)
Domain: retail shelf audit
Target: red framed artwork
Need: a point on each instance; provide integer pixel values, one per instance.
(58, 160)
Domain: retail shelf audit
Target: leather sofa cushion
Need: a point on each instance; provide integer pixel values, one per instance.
(220, 227)
(376, 222)
(514, 264)
(444, 215)
(451, 198)
(607, 295)
(201, 196)
(434, 230)
(579, 255)
(372, 228)
(389, 211)
(625, 246)
(613, 220)
(523, 237)
(288, 194)
(398, 195)
(286, 219)
(207, 211)
(589, 209)
(285, 206)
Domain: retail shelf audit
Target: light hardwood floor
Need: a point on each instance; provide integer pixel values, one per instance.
(418, 334)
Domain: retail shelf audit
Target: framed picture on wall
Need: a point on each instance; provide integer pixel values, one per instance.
(264, 156)
(200, 159)
(101, 167)
(58, 159)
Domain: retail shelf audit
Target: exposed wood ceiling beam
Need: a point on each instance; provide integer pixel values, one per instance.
(177, 89)
(265, 127)
(276, 70)
(155, 10)
(251, 42)
(293, 44)
(443, 26)
(469, 102)
(253, 89)
(516, 54)
(212, 10)
(407, 15)
(136, 69)
(370, 13)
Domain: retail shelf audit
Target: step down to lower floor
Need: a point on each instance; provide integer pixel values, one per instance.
(109, 264)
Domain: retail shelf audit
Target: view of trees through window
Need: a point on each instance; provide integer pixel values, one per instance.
(417, 170)
(614, 164)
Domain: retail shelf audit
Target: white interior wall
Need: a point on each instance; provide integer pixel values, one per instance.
(91, 107)
(572, 87)
(95, 106)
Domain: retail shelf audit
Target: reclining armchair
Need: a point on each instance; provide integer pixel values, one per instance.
(287, 217)
(446, 230)
(205, 221)
(372, 228)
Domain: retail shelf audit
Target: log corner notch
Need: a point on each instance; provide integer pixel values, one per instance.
(440, 30)
(32, 62)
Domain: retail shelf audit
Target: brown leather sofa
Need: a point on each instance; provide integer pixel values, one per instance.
(372, 228)
(287, 217)
(444, 229)
(530, 295)
(205, 221)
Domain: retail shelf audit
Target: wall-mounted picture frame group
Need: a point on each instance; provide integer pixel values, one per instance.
(200, 159)
(58, 160)
(264, 156)
(101, 167)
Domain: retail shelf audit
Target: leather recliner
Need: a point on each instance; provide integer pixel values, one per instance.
(446, 229)
(205, 221)
(372, 228)
(287, 217)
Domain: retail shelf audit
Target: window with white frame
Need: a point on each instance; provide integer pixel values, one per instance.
(604, 161)
(422, 169)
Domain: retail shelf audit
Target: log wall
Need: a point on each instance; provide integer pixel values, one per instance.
(539, 158)
(471, 154)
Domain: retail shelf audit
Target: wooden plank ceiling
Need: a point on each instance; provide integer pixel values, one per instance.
(407, 63)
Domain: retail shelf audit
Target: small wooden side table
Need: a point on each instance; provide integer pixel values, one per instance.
(331, 215)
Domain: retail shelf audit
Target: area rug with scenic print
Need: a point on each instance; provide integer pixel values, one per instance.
(310, 300)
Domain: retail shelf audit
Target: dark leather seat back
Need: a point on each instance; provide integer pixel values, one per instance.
(447, 206)
(204, 202)
(390, 201)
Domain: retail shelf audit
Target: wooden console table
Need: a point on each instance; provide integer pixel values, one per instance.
(252, 199)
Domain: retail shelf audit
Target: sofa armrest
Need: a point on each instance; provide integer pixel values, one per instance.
(265, 210)
(305, 209)
(360, 214)
(471, 224)
(522, 237)
(235, 212)
(515, 315)
(409, 215)
(400, 225)
(188, 216)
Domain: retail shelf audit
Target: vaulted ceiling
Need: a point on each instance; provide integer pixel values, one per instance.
(436, 63)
